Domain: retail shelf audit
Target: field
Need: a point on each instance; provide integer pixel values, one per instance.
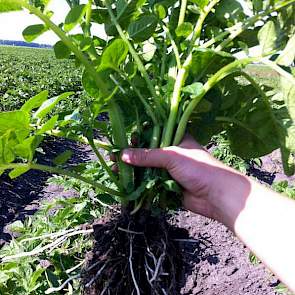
(27, 71)
(62, 204)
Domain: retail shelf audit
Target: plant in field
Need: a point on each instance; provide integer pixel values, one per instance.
(166, 67)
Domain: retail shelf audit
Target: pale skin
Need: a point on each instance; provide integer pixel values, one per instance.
(262, 219)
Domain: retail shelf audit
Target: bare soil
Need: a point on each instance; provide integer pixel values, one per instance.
(215, 262)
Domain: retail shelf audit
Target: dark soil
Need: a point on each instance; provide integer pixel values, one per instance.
(215, 262)
(21, 197)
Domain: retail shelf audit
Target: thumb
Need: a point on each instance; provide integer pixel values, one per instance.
(157, 158)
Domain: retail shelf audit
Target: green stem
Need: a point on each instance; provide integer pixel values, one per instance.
(99, 144)
(88, 18)
(163, 64)
(198, 28)
(182, 12)
(175, 100)
(120, 140)
(137, 60)
(62, 172)
(68, 42)
(173, 44)
(221, 74)
(104, 164)
(146, 105)
(155, 137)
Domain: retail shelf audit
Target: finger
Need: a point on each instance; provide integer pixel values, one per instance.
(157, 158)
(189, 142)
(113, 157)
(115, 168)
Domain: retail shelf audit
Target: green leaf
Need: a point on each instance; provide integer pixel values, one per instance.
(194, 89)
(288, 161)
(49, 125)
(267, 37)
(26, 149)
(32, 32)
(257, 5)
(91, 88)
(63, 157)
(61, 50)
(10, 5)
(286, 58)
(74, 17)
(17, 121)
(128, 11)
(18, 172)
(49, 104)
(207, 62)
(113, 55)
(34, 278)
(149, 50)
(100, 16)
(201, 3)
(230, 12)
(143, 28)
(35, 101)
(184, 30)
(160, 10)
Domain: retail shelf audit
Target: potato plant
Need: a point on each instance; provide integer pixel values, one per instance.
(166, 67)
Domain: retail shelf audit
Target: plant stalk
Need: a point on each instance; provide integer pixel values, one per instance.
(104, 164)
(137, 60)
(120, 140)
(182, 12)
(60, 171)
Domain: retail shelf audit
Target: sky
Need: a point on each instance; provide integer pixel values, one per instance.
(13, 23)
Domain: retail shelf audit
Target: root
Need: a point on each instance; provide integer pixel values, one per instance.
(133, 255)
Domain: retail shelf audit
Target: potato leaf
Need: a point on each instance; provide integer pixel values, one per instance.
(184, 30)
(113, 55)
(74, 17)
(32, 32)
(63, 157)
(49, 104)
(61, 50)
(35, 101)
(49, 125)
(143, 28)
(17, 121)
(287, 56)
(267, 37)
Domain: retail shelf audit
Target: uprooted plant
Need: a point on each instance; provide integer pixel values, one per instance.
(166, 67)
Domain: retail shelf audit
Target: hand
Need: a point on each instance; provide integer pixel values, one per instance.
(209, 187)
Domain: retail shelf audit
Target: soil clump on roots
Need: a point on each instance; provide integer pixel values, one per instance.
(134, 255)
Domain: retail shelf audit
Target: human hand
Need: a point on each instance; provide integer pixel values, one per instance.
(209, 187)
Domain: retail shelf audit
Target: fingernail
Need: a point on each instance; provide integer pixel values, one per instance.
(126, 156)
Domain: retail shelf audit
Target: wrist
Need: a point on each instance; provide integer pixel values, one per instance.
(230, 196)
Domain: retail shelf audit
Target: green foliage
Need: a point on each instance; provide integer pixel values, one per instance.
(222, 151)
(28, 71)
(191, 78)
(38, 273)
(285, 188)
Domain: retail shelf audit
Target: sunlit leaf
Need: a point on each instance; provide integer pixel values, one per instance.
(32, 32)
